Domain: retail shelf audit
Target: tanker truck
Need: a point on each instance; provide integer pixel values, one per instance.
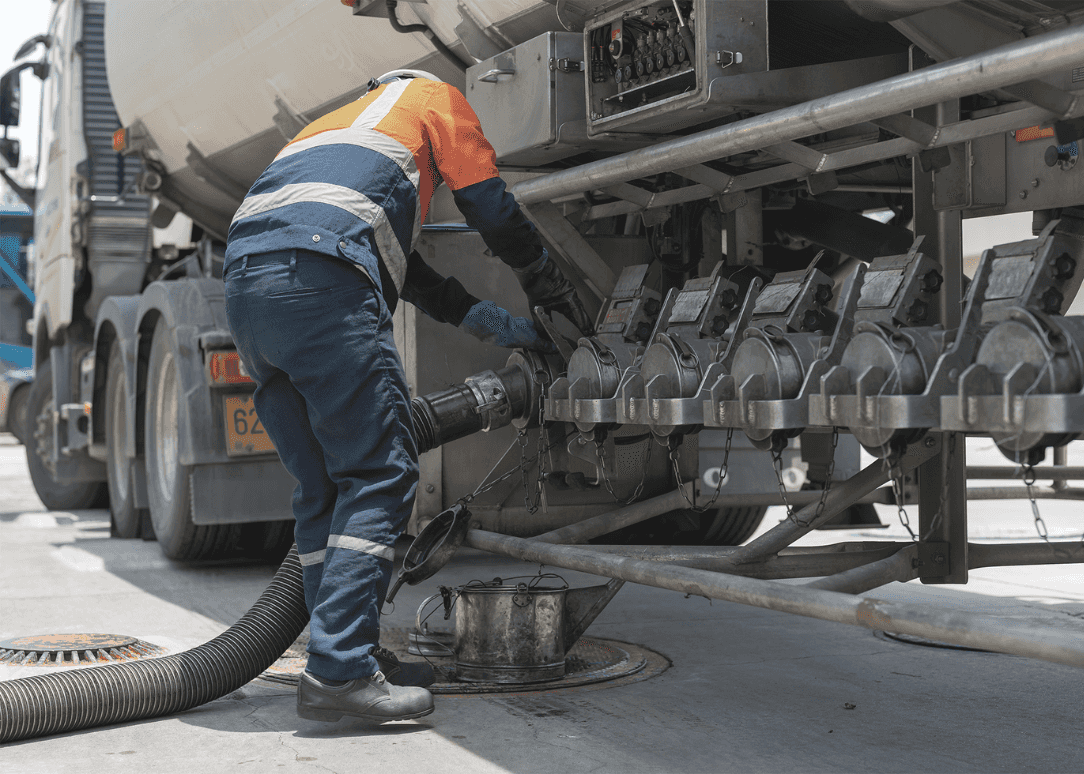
(759, 200)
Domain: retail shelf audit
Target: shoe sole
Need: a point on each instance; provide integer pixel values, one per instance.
(331, 716)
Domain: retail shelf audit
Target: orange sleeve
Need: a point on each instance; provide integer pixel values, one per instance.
(461, 152)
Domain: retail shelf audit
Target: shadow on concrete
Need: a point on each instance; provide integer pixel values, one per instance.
(60, 518)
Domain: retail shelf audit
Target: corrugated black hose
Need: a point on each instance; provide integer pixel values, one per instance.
(119, 693)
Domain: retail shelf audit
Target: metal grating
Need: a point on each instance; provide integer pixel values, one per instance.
(75, 650)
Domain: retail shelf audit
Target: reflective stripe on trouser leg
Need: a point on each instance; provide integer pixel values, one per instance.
(326, 327)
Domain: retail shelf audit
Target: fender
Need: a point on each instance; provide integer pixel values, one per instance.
(224, 489)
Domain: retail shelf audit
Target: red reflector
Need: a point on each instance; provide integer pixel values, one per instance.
(1034, 133)
(226, 368)
(120, 140)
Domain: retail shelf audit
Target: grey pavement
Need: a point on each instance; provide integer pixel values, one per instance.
(749, 690)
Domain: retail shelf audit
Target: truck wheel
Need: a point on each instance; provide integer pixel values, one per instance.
(168, 491)
(732, 526)
(267, 540)
(39, 451)
(126, 517)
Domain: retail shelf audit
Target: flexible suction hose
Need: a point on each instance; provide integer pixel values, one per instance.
(120, 693)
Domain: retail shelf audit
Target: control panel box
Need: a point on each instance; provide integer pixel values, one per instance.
(664, 65)
(530, 97)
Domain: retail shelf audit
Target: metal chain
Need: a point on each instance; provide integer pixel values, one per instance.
(509, 473)
(532, 502)
(777, 464)
(896, 476)
(600, 451)
(1040, 525)
(828, 482)
(723, 470)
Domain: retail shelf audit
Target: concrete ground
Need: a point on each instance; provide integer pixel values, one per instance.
(749, 690)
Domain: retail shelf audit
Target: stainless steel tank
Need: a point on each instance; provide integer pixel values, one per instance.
(218, 88)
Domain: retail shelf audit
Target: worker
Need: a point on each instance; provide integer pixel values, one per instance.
(318, 255)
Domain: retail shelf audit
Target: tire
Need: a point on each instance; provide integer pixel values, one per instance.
(267, 541)
(168, 491)
(39, 448)
(127, 518)
(731, 526)
(718, 527)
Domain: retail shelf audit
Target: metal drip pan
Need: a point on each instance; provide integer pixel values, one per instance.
(592, 660)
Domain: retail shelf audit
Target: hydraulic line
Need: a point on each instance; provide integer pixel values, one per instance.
(426, 30)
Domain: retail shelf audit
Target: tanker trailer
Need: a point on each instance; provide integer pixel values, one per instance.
(703, 170)
(139, 390)
(634, 140)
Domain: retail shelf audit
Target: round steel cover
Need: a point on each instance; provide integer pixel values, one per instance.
(1056, 365)
(74, 649)
(592, 660)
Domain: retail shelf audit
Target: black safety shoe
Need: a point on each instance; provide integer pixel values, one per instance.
(406, 673)
(371, 698)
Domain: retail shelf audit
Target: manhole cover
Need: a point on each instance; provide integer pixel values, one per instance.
(75, 649)
(591, 660)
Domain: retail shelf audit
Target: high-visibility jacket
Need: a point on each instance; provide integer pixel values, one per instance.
(357, 183)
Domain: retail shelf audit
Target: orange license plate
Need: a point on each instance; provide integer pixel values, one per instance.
(244, 431)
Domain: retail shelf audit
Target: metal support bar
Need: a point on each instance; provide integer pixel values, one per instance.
(631, 193)
(843, 495)
(1059, 473)
(950, 134)
(1002, 555)
(1042, 94)
(605, 523)
(1021, 493)
(1005, 65)
(718, 181)
(792, 563)
(817, 561)
(909, 128)
(953, 626)
(796, 153)
(902, 566)
(1061, 462)
(574, 248)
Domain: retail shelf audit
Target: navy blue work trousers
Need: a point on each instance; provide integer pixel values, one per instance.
(316, 337)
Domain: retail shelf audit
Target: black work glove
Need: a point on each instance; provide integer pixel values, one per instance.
(545, 286)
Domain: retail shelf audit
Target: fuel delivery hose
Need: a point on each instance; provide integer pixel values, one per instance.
(136, 690)
(119, 693)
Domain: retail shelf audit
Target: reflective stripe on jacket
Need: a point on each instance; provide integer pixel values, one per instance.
(358, 182)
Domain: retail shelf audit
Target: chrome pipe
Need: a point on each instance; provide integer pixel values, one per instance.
(1002, 66)
(954, 626)
(898, 567)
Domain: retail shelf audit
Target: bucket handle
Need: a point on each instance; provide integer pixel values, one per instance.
(418, 626)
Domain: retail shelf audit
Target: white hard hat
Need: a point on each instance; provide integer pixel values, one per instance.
(401, 75)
